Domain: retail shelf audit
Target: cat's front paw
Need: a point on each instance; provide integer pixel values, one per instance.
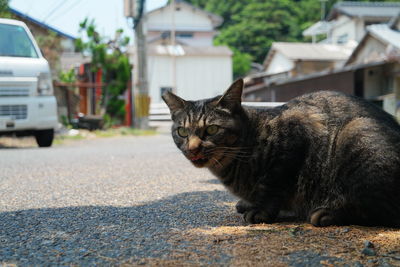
(243, 206)
(321, 217)
(255, 216)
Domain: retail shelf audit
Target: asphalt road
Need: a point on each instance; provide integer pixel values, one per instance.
(104, 201)
(137, 201)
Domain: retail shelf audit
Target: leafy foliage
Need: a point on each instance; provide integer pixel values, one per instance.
(50, 44)
(67, 76)
(4, 9)
(241, 62)
(110, 56)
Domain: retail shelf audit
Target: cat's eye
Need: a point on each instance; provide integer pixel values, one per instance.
(183, 132)
(212, 129)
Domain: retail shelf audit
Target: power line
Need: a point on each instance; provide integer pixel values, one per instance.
(69, 8)
(55, 9)
(47, 11)
(29, 7)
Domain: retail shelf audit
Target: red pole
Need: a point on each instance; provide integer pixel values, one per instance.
(99, 78)
(128, 105)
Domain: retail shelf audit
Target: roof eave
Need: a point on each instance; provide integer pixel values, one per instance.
(217, 20)
(41, 24)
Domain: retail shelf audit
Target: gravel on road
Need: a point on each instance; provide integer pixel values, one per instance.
(102, 201)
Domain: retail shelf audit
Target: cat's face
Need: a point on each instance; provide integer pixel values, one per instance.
(207, 130)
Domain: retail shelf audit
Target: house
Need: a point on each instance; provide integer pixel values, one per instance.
(349, 19)
(181, 54)
(304, 58)
(289, 60)
(369, 71)
(379, 52)
(192, 25)
(372, 71)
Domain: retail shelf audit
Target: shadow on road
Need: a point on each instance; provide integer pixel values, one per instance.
(106, 234)
(15, 147)
(212, 181)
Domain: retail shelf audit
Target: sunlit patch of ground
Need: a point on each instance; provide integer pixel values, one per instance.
(287, 244)
(13, 142)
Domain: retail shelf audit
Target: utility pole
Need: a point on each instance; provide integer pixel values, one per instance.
(173, 47)
(140, 83)
(142, 101)
(323, 7)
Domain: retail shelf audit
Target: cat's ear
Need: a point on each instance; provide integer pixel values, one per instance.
(173, 101)
(233, 96)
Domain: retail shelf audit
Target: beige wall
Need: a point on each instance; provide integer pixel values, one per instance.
(371, 50)
(197, 77)
(279, 63)
(308, 67)
(198, 39)
(343, 25)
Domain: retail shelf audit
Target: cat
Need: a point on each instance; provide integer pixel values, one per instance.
(330, 158)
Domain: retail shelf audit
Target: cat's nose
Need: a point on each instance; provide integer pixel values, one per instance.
(194, 145)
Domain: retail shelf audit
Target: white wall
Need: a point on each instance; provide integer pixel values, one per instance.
(373, 86)
(199, 39)
(279, 63)
(398, 25)
(185, 19)
(360, 29)
(372, 50)
(197, 77)
(344, 25)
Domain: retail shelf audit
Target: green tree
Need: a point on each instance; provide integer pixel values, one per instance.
(4, 13)
(110, 56)
(254, 29)
(250, 27)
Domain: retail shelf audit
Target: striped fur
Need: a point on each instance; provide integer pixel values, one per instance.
(328, 157)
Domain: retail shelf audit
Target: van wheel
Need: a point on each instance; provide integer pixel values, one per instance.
(44, 138)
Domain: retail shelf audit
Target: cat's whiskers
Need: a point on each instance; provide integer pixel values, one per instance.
(237, 153)
(230, 151)
(235, 157)
(217, 162)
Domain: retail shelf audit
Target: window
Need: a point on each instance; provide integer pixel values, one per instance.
(15, 42)
(184, 34)
(163, 90)
(342, 39)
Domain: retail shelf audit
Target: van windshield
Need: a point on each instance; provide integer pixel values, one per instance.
(15, 42)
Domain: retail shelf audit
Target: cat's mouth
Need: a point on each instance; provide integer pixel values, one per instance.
(199, 161)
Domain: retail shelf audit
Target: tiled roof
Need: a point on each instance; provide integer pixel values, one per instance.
(385, 34)
(310, 51)
(365, 9)
(41, 24)
(182, 50)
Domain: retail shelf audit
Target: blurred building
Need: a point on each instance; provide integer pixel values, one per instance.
(181, 54)
(304, 58)
(371, 70)
(349, 19)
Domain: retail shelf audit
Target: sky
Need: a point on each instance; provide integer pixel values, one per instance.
(65, 15)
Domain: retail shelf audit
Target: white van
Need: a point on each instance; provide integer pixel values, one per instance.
(27, 102)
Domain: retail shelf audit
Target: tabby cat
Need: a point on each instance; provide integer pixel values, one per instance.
(330, 158)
